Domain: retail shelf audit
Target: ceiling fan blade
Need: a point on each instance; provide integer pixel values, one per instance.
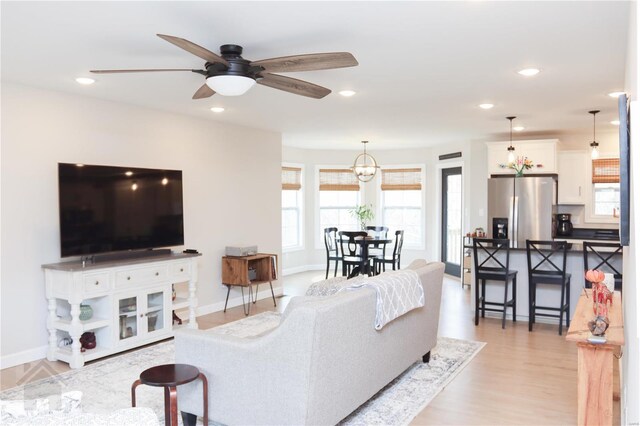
(310, 62)
(147, 70)
(293, 85)
(203, 92)
(191, 47)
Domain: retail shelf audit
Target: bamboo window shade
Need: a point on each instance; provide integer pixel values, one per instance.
(401, 179)
(338, 180)
(291, 178)
(605, 170)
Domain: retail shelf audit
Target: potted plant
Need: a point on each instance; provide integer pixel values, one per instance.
(363, 213)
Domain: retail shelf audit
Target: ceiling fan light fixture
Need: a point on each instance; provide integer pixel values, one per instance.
(230, 85)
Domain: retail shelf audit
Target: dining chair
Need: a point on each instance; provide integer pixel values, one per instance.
(605, 257)
(379, 263)
(331, 247)
(351, 250)
(491, 262)
(379, 233)
(547, 265)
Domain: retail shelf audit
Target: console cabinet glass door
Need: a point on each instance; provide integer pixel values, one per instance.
(143, 314)
(128, 309)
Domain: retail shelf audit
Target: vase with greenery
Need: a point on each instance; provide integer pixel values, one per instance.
(363, 213)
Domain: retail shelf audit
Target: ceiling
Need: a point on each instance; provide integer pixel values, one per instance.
(424, 66)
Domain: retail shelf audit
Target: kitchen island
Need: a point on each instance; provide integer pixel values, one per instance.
(547, 295)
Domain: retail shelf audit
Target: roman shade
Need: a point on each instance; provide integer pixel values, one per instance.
(338, 180)
(291, 178)
(605, 170)
(401, 179)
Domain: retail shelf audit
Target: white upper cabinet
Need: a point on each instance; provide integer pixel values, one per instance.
(573, 177)
(541, 152)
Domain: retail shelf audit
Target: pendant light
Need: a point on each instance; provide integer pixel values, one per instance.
(511, 158)
(365, 166)
(594, 145)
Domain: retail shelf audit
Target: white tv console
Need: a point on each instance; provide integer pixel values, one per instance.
(131, 301)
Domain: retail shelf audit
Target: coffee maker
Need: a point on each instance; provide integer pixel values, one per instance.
(500, 227)
(564, 227)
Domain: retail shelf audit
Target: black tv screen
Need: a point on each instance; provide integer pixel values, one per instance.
(107, 209)
(625, 169)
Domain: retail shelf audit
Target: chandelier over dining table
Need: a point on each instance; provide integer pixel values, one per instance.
(365, 166)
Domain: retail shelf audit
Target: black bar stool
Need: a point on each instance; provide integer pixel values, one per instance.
(491, 261)
(547, 264)
(602, 256)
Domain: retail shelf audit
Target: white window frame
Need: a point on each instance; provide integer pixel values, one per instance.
(589, 210)
(319, 241)
(301, 241)
(423, 216)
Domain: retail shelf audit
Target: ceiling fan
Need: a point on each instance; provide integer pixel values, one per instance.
(229, 74)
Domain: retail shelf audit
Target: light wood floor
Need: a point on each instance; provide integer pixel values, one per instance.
(518, 378)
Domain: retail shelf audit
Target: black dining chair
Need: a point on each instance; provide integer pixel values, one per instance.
(491, 261)
(379, 263)
(604, 257)
(379, 233)
(331, 247)
(547, 264)
(351, 251)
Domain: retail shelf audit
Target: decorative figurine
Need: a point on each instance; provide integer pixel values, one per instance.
(601, 296)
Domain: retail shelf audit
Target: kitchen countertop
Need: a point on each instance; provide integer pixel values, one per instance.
(591, 234)
(521, 245)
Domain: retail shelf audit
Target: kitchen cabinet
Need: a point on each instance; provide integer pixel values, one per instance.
(573, 179)
(541, 152)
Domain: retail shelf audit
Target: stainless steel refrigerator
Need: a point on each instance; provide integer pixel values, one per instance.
(523, 208)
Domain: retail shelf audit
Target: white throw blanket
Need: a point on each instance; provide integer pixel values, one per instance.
(397, 292)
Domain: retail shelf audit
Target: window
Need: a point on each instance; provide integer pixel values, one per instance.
(605, 176)
(291, 208)
(338, 193)
(401, 203)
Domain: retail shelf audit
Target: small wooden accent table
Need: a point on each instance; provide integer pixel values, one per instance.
(169, 376)
(595, 362)
(235, 272)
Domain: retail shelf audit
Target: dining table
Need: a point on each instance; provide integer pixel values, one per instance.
(365, 243)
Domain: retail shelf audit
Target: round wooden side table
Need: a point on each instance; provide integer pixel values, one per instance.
(169, 376)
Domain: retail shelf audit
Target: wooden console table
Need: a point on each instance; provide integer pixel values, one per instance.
(595, 361)
(235, 272)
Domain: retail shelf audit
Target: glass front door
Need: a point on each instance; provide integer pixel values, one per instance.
(451, 215)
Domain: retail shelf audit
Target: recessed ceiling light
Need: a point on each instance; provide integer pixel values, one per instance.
(615, 94)
(518, 128)
(128, 173)
(615, 122)
(528, 72)
(85, 80)
(217, 109)
(79, 165)
(486, 106)
(347, 93)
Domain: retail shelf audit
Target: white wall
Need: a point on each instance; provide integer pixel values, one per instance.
(231, 184)
(631, 296)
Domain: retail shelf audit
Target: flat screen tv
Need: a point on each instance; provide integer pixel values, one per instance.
(106, 209)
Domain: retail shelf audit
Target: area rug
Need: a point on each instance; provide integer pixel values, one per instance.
(106, 384)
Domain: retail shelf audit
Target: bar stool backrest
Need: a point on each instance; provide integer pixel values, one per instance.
(330, 243)
(547, 258)
(605, 257)
(491, 255)
(349, 246)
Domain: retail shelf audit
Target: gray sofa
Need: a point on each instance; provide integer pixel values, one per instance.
(322, 362)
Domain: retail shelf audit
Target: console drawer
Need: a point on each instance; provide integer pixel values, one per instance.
(95, 283)
(141, 275)
(181, 269)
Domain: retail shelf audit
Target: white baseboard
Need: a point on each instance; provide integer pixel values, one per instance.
(304, 268)
(23, 357)
(264, 293)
